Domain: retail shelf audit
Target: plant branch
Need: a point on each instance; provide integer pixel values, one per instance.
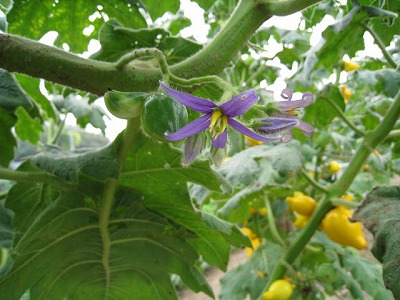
(313, 182)
(343, 116)
(271, 221)
(18, 54)
(381, 46)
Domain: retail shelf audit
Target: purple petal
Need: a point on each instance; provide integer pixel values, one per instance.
(306, 128)
(198, 104)
(273, 125)
(287, 136)
(246, 131)
(305, 101)
(194, 127)
(287, 94)
(239, 104)
(220, 141)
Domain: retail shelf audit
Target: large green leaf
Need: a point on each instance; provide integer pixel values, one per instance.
(70, 244)
(70, 18)
(117, 40)
(155, 171)
(380, 214)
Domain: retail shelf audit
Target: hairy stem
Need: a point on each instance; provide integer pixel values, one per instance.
(271, 222)
(313, 182)
(370, 141)
(30, 57)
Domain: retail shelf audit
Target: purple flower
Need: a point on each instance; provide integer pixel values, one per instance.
(216, 118)
(283, 122)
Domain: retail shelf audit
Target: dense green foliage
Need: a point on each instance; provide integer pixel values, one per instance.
(84, 218)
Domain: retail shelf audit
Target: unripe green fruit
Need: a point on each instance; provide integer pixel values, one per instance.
(163, 115)
(125, 105)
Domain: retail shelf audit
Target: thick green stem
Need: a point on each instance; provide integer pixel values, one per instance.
(30, 57)
(244, 21)
(370, 141)
(129, 135)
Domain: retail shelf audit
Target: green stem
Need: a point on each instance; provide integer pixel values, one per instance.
(381, 46)
(343, 116)
(285, 7)
(370, 141)
(313, 182)
(33, 177)
(129, 135)
(271, 221)
(59, 131)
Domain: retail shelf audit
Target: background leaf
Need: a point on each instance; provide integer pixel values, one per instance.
(70, 18)
(7, 140)
(380, 214)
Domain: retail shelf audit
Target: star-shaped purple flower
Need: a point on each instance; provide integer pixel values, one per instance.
(284, 121)
(216, 118)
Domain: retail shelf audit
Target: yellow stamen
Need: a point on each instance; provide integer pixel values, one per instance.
(218, 123)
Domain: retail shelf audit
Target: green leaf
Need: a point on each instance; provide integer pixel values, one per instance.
(158, 8)
(124, 250)
(154, 170)
(98, 165)
(27, 128)
(385, 81)
(205, 4)
(367, 274)
(244, 281)
(31, 86)
(178, 23)
(321, 113)
(7, 140)
(84, 112)
(70, 18)
(117, 40)
(380, 214)
(144, 248)
(12, 95)
(252, 171)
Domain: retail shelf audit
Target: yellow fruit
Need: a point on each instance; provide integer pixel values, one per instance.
(346, 93)
(252, 211)
(247, 231)
(348, 197)
(350, 66)
(301, 221)
(338, 228)
(263, 211)
(302, 204)
(334, 167)
(279, 290)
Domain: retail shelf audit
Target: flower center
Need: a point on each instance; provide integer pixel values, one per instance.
(218, 123)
